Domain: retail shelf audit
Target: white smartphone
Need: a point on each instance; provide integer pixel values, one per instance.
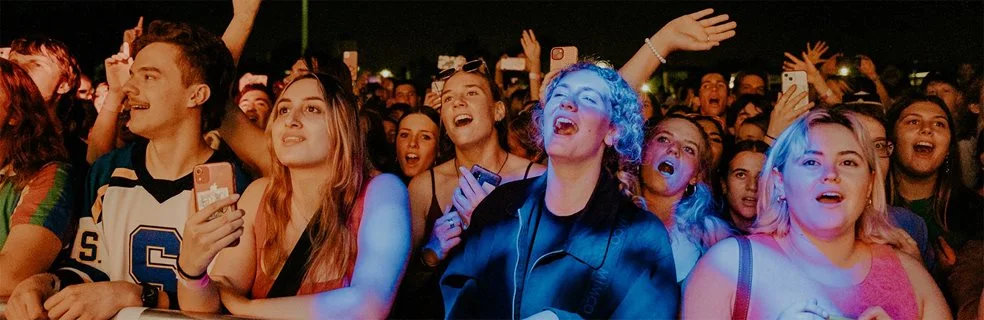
(789, 78)
(561, 57)
(513, 64)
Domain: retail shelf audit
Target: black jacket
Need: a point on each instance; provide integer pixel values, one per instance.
(616, 262)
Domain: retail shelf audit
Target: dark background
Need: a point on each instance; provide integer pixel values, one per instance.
(402, 36)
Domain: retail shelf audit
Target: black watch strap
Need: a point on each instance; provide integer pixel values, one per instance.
(150, 295)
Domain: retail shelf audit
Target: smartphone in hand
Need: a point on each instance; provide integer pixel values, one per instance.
(513, 64)
(789, 78)
(483, 176)
(561, 57)
(214, 182)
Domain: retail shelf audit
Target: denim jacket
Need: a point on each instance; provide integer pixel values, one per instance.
(615, 263)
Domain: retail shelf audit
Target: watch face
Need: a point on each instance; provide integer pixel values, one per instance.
(149, 295)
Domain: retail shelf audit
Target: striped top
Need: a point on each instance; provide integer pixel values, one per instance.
(45, 200)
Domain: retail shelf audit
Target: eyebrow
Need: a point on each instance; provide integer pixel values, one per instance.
(467, 86)
(285, 99)
(914, 114)
(739, 170)
(845, 152)
(150, 69)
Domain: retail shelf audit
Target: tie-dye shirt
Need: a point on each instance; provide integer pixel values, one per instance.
(45, 200)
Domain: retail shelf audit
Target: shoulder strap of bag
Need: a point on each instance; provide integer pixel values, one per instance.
(295, 268)
(744, 289)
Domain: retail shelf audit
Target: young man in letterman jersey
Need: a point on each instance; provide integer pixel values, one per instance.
(140, 196)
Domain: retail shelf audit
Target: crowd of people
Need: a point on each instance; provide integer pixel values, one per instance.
(572, 193)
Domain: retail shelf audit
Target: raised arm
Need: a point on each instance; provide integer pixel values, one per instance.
(687, 33)
(244, 14)
(531, 48)
(384, 247)
(246, 140)
(102, 136)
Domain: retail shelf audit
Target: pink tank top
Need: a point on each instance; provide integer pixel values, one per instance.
(887, 285)
(262, 282)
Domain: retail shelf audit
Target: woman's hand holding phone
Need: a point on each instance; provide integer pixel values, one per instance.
(468, 195)
(205, 237)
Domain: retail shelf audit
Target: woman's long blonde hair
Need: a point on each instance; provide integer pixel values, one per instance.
(333, 244)
(773, 213)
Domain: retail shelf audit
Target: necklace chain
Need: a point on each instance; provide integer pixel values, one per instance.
(458, 173)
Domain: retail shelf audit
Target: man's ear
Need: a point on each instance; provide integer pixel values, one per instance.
(199, 94)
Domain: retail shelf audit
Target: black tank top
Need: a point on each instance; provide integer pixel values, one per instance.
(435, 211)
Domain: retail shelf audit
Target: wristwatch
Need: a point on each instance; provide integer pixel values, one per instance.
(150, 295)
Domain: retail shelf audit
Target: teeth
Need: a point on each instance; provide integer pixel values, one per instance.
(564, 121)
(293, 139)
(462, 117)
(665, 167)
(924, 144)
(412, 156)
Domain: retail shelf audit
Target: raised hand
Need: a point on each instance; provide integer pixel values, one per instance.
(245, 8)
(868, 68)
(532, 50)
(131, 35)
(815, 53)
(694, 33)
(118, 68)
(786, 111)
(794, 64)
(829, 67)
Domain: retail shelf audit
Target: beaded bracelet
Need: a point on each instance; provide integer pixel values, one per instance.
(656, 53)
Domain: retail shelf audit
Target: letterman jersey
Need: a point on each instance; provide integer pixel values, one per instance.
(131, 227)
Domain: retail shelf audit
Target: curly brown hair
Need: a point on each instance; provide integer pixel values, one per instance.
(30, 134)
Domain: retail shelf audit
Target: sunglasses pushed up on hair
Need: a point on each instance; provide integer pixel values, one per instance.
(477, 65)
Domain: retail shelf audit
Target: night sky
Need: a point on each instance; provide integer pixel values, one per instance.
(400, 34)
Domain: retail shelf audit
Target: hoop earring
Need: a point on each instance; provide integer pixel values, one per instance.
(691, 189)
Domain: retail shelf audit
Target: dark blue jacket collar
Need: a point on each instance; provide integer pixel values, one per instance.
(591, 234)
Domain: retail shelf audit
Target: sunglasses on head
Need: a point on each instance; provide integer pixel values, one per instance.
(477, 65)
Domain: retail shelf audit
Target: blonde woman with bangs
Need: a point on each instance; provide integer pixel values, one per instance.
(320, 195)
(822, 245)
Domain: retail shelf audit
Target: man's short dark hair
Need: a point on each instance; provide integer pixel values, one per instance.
(205, 60)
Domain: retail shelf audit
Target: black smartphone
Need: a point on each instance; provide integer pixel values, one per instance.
(484, 175)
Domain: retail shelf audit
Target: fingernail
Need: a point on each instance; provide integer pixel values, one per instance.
(235, 197)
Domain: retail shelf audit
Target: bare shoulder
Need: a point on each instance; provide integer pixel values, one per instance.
(914, 269)
(250, 199)
(516, 169)
(386, 184)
